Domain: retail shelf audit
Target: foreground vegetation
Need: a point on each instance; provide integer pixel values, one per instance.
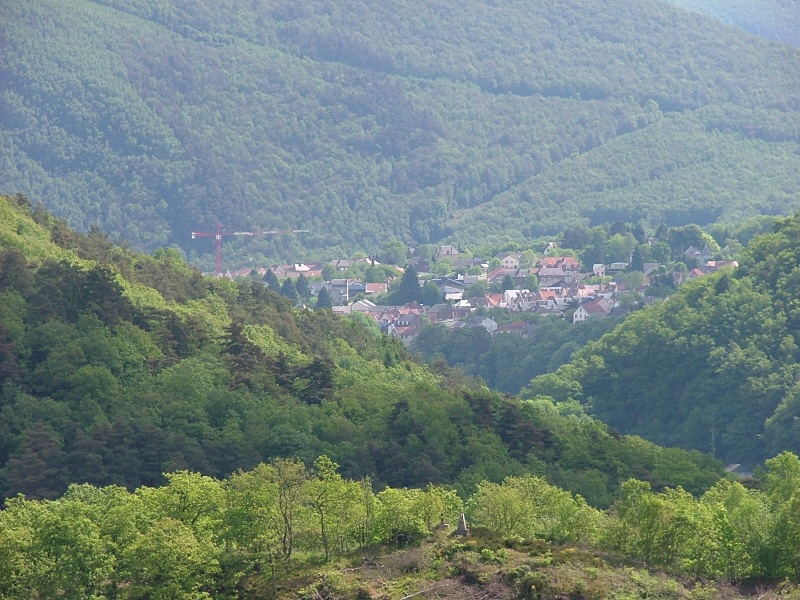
(251, 535)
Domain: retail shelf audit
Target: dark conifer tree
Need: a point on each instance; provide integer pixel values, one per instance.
(271, 280)
(408, 291)
(637, 261)
(302, 288)
(324, 299)
(288, 289)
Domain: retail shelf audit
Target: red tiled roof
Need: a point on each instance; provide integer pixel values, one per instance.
(494, 299)
(559, 261)
(514, 327)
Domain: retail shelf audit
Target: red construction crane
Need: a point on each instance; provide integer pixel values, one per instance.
(219, 234)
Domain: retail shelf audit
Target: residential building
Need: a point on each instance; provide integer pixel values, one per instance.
(555, 269)
(509, 261)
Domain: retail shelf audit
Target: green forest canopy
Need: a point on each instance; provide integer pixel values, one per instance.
(422, 122)
(118, 366)
(250, 535)
(714, 367)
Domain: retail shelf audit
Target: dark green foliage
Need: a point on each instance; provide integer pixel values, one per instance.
(288, 289)
(324, 298)
(39, 469)
(271, 280)
(106, 382)
(391, 127)
(712, 368)
(64, 292)
(508, 362)
(301, 286)
(14, 272)
(244, 357)
(408, 290)
(430, 294)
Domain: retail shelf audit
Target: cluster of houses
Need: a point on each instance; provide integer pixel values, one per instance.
(562, 289)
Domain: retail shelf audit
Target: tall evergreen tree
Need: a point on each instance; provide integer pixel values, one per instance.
(408, 291)
(289, 289)
(301, 285)
(324, 299)
(271, 280)
(637, 260)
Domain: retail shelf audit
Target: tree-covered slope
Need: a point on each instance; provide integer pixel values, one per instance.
(421, 121)
(116, 367)
(715, 367)
(480, 354)
(777, 20)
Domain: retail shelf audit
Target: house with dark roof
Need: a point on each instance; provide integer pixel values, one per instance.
(341, 264)
(701, 256)
(487, 323)
(513, 327)
(595, 308)
(447, 251)
(509, 260)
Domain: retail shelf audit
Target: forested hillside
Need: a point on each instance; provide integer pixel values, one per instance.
(777, 20)
(116, 367)
(509, 361)
(715, 367)
(422, 121)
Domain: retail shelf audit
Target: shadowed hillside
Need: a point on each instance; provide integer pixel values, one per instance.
(421, 121)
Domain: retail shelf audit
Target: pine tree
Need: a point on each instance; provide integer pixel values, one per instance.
(288, 289)
(324, 299)
(271, 280)
(408, 291)
(302, 287)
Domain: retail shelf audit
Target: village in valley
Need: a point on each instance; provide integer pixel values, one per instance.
(469, 288)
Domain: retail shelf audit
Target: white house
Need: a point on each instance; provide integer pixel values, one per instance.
(595, 308)
(509, 261)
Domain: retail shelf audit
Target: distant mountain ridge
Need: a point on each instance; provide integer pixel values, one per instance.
(777, 20)
(426, 122)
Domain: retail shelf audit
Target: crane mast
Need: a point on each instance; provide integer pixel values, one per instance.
(219, 234)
